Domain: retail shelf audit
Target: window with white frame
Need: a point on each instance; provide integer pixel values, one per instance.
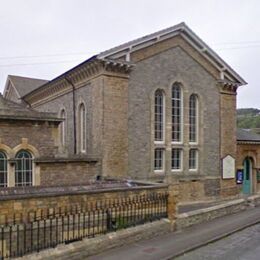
(23, 168)
(63, 127)
(193, 159)
(176, 113)
(193, 119)
(159, 116)
(159, 159)
(3, 169)
(82, 127)
(176, 159)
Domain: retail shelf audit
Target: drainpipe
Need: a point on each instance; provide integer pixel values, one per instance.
(74, 114)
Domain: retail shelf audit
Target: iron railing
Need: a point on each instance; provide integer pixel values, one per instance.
(47, 228)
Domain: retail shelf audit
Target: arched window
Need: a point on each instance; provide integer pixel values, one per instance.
(82, 127)
(176, 113)
(23, 168)
(63, 127)
(3, 170)
(193, 119)
(159, 115)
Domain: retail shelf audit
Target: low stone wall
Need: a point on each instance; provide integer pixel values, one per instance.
(207, 214)
(20, 202)
(88, 247)
(207, 189)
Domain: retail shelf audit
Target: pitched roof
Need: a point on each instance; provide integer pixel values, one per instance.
(247, 136)
(179, 29)
(126, 48)
(12, 110)
(25, 85)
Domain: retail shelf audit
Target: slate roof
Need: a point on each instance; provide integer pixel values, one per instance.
(12, 110)
(25, 85)
(247, 136)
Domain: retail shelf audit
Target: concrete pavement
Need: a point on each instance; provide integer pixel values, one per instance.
(176, 243)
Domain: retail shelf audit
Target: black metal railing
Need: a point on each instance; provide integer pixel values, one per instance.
(47, 228)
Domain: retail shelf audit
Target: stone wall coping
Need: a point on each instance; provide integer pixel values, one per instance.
(36, 192)
(209, 209)
(66, 160)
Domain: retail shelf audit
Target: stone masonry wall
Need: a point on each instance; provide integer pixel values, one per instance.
(43, 136)
(228, 137)
(161, 70)
(68, 173)
(22, 206)
(115, 135)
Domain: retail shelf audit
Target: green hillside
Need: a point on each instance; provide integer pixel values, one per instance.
(248, 118)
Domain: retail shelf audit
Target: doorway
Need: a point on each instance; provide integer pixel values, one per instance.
(247, 182)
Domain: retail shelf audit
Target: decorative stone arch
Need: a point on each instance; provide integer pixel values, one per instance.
(35, 154)
(7, 150)
(26, 146)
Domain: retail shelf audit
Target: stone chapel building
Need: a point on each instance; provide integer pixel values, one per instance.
(160, 108)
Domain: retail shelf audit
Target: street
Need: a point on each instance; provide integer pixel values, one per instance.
(241, 245)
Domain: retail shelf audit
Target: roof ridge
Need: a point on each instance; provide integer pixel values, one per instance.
(18, 76)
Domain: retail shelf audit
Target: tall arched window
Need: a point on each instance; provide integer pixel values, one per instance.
(3, 170)
(23, 168)
(159, 115)
(193, 119)
(63, 128)
(82, 127)
(176, 113)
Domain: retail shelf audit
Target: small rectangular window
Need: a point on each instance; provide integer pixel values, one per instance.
(176, 159)
(193, 159)
(158, 159)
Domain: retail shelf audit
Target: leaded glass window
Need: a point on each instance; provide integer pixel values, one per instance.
(63, 127)
(176, 113)
(158, 159)
(3, 170)
(82, 128)
(176, 159)
(193, 118)
(193, 159)
(23, 169)
(159, 116)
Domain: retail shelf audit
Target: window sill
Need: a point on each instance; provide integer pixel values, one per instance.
(159, 172)
(177, 171)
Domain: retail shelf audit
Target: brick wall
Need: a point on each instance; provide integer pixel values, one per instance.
(68, 173)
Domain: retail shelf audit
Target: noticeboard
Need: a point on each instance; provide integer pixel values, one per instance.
(239, 176)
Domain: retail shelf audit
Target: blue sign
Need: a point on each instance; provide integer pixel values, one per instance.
(240, 176)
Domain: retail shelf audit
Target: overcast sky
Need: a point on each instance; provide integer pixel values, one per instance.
(42, 39)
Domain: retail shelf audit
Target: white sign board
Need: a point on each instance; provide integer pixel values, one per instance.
(228, 167)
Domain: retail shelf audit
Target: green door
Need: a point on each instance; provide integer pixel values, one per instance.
(247, 177)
